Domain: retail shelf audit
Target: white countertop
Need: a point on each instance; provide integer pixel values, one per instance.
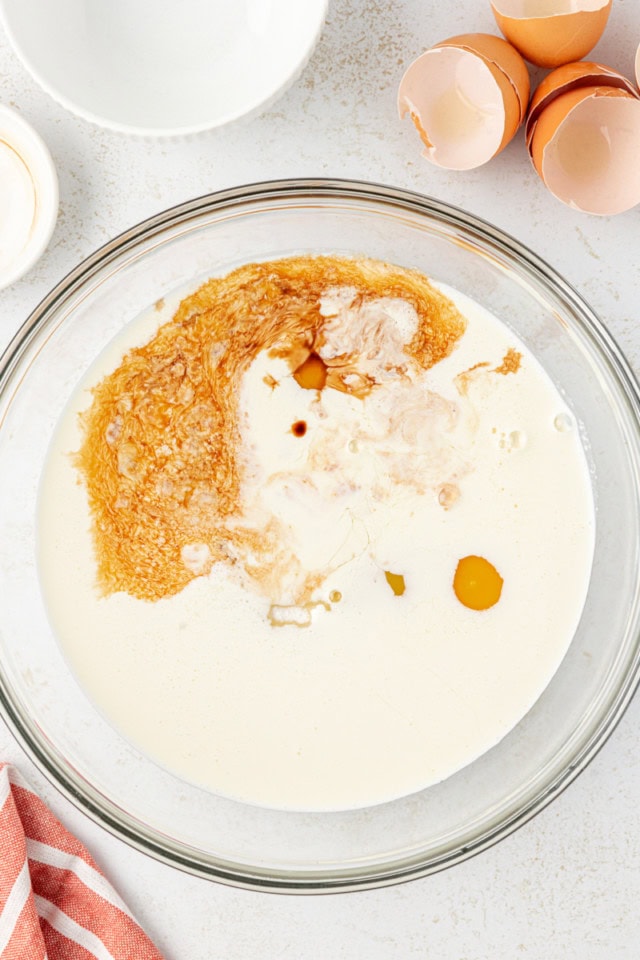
(567, 885)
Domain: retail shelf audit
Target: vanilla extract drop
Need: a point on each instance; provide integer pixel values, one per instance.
(396, 582)
(312, 374)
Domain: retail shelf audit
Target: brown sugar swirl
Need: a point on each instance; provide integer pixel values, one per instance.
(161, 455)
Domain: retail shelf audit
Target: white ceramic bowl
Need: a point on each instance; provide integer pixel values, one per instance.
(162, 68)
(28, 196)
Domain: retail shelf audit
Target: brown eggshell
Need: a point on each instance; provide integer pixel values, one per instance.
(497, 70)
(638, 66)
(439, 91)
(554, 39)
(552, 117)
(571, 76)
(585, 147)
(495, 50)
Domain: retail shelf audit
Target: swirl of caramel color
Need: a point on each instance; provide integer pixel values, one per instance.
(161, 455)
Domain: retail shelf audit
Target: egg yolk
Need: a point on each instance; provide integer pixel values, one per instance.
(477, 583)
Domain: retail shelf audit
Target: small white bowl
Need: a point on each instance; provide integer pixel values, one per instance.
(159, 68)
(28, 196)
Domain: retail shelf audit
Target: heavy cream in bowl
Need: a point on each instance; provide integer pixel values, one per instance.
(317, 535)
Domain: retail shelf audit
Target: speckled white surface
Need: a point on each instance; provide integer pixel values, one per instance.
(567, 885)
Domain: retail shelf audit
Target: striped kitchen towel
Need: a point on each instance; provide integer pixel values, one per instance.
(54, 901)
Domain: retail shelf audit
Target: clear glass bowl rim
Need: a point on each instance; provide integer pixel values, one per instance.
(488, 238)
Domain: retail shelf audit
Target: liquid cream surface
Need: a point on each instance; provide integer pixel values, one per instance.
(360, 695)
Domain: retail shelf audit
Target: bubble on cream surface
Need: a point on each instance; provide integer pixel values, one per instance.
(381, 681)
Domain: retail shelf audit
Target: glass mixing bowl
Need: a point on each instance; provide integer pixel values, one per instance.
(301, 852)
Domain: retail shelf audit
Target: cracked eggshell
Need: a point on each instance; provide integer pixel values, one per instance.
(571, 76)
(559, 32)
(638, 66)
(585, 146)
(466, 96)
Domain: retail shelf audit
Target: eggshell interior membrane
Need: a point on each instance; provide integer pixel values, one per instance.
(552, 32)
(586, 147)
(457, 107)
(503, 60)
(572, 76)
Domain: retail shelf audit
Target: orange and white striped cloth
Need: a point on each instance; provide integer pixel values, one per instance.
(54, 901)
